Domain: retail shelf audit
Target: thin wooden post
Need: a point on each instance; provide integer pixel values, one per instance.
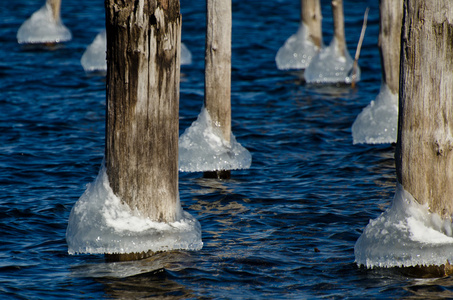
(56, 8)
(310, 15)
(141, 155)
(424, 156)
(338, 25)
(390, 23)
(217, 99)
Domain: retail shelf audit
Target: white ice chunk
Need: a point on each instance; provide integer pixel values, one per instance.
(378, 122)
(406, 234)
(298, 50)
(100, 223)
(202, 148)
(94, 57)
(186, 56)
(330, 66)
(41, 27)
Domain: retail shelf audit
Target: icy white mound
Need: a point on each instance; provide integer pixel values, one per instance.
(186, 56)
(93, 59)
(378, 122)
(297, 52)
(330, 66)
(406, 234)
(100, 223)
(41, 27)
(202, 148)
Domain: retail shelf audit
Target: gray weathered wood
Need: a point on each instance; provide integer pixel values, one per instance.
(390, 23)
(218, 70)
(338, 25)
(310, 15)
(218, 64)
(141, 155)
(424, 156)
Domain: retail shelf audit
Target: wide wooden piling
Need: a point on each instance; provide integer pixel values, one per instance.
(310, 15)
(424, 156)
(217, 99)
(390, 24)
(141, 154)
(338, 25)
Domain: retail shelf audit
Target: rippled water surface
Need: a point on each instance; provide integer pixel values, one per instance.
(285, 228)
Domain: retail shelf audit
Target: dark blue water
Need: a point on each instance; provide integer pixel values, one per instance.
(285, 228)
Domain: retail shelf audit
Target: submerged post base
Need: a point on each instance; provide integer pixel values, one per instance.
(428, 271)
(222, 174)
(127, 256)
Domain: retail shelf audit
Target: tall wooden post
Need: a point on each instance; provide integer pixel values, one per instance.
(56, 8)
(424, 156)
(338, 25)
(141, 155)
(217, 99)
(310, 15)
(390, 23)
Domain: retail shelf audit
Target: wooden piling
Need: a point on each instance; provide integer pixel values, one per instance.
(424, 156)
(55, 5)
(338, 25)
(217, 99)
(390, 24)
(310, 15)
(143, 58)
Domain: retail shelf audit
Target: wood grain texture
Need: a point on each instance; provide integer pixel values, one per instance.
(424, 157)
(143, 59)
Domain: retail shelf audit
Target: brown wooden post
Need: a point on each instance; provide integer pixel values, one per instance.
(217, 99)
(390, 23)
(56, 8)
(338, 25)
(424, 156)
(141, 155)
(310, 15)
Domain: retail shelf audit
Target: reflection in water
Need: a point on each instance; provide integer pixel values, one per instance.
(431, 288)
(147, 278)
(154, 284)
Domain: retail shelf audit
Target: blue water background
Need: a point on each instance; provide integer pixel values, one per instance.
(308, 189)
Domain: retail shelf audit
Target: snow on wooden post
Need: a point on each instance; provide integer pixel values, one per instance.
(218, 69)
(424, 156)
(56, 8)
(390, 23)
(338, 25)
(310, 15)
(141, 155)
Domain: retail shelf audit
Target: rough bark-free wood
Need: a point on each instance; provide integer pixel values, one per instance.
(390, 23)
(218, 64)
(218, 69)
(141, 155)
(424, 157)
(310, 14)
(56, 7)
(338, 25)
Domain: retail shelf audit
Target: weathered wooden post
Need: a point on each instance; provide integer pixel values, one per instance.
(390, 23)
(338, 25)
(310, 15)
(424, 156)
(56, 8)
(141, 154)
(217, 99)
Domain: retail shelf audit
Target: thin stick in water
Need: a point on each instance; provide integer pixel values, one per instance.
(359, 46)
